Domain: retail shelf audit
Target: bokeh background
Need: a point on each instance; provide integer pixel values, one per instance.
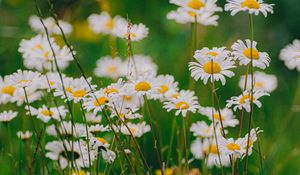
(170, 45)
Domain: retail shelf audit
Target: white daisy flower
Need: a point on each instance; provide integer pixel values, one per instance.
(137, 32)
(291, 55)
(242, 52)
(202, 129)
(63, 153)
(198, 6)
(166, 86)
(33, 94)
(7, 90)
(119, 110)
(110, 67)
(227, 117)
(231, 147)
(24, 136)
(183, 16)
(262, 81)
(51, 79)
(65, 129)
(252, 140)
(139, 65)
(45, 114)
(37, 54)
(104, 23)
(145, 84)
(7, 116)
(137, 130)
(244, 100)
(109, 156)
(100, 143)
(25, 78)
(94, 129)
(211, 63)
(50, 23)
(96, 105)
(127, 96)
(92, 118)
(186, 101)
(76, 89)
(252, 6)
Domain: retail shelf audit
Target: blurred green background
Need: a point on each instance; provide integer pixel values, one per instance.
(170, 45)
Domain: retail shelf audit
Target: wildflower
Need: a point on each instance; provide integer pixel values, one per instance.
(198, 6)
(242, 51)
(7, 116)
(45, 114)
(24, 136)
(50, 80)
(98, 128)
(50, 24)
(73, 152)
(139, 65)
(211, 63)
(108, 156)
(262, 81)
(92, 118)
(137, 32)
(290, 55)
(186, 101)
(202, 129)
(33, 94)
(252, 6)
(244, 100)
(110, 67)
(231, 147)
(252, 140)
(7, 90)
(96, 104)
(166, 86)
(137, 130)
(127, 96)
(122, 112)
(65, 129)
(167, 171)
(104, 23)
(227, 117)
(24, 78)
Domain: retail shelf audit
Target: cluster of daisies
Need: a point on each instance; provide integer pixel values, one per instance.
(78, 139)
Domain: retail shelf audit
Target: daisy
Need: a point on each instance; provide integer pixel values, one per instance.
(110, 67)
(139, 65)
(92, 118)
(291, 55)
(231, 147)
(186, 101)
(166, 86)
(104, 23)
(7, 116)
(33, 94)
(227, 117)
(144, 85)
(198, 6)
(124, 113)
(50, 80)
(136, 32)
(242, 52)
(45, 114)
(25, 78)
(96, 104)
(137, 130)
(183, 16)
(65, 130)
(94, 129)
(113, 89)
(7, 90)
(66, 151)
(262, 81)
(252, 139)
(252, 6)
(37, 54)
(127, 96)
(202, 129)
(108, 156)
(213, 65)
(76, 89)
(50, 24)
(244, 100)
(24, 136)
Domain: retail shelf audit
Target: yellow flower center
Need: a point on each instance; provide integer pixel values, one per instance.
(51, 83)
(193, 14)
(142, 86)
(111, 90)
(244, 98)
(252, 4)
(182, 105)
(23, 81)
(46, 54)
(132, 130)
(112, 69)
(79, 93)
(250, 143)
(214, 54)
(69, 89)
(217, 117)
(168, 171)
(196, 4)
(255, 53)
(213, 149)
(175, 95)
(259, 84)
(8, 90)
(127, 97)
(163, 89)
(233, 146)
(102, 140)
(132, 35)
(80, 172)
(47, 113)
(110, 24)
(39, 46)
(212, 67)
(101, 101)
